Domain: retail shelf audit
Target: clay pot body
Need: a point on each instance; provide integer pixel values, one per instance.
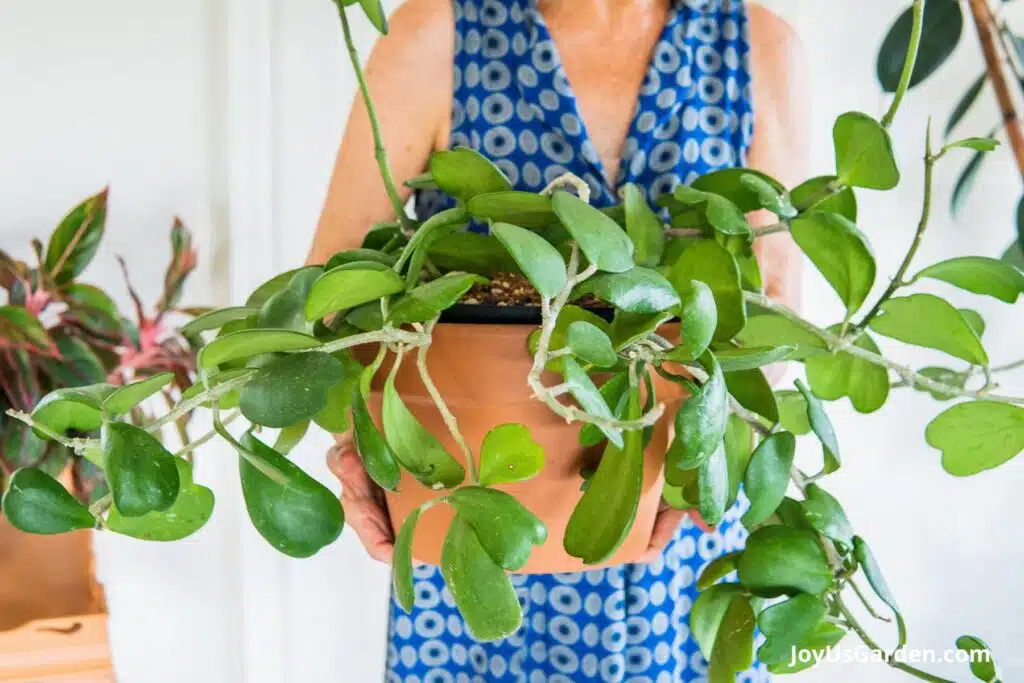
(481, 372)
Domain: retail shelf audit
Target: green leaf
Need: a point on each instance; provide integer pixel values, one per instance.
(482, 591)
(604, 516)
(638, 290)
(643, 227)
(874, 576)
(864, 154)
(600, 238)
(192, 509)
(472, 252)
(840, 252)
(977, 436)
(77, 409)
(401, 563)
(214, 320)
(142, 474)
(966, 181)
(612, 392)
(273, 286)
(698, 319)
(586, 394)
(739, 445)
(713, 486)
(751, 390)
(333, 417)
(591, 345)
(22, 328)
(250, 343)
(708, 612)
(975, 320)
(127, 397)
(823, 429)
(771, 330)
(93, 306)
(36, 503)
(811, 651)
(415, 448)
(539, 261)
(701, 421)
(298, 515)
(943, 24)
(734, 185)
(426, 302)
(926, 320)
(768, 476)
(73, 244)
(977, 144)
(770, 196)
(982, 663)
(734, 645)
(628, 328)
(464, 173)
(786, 625)
(720, 213)
(751, 358)
(378, 458)
(505, 529)
(290, 389)
(374, 10)
(820, 194)
(348, 287)
(354, 256)
(509, 454)
(965, 103)
(717, 569)
(827, 516)
(560, 335)
(525, 209)
(833, 376)
(710, 263)
(780, 560)
(793, 412)
(980, 275)
(286, 310)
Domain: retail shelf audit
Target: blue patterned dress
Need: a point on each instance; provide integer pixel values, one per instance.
(513, 103)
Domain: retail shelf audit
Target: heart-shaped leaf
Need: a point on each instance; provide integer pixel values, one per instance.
(822, 428)
(73, 244)
(142, 474)
(127, 397)
(751, 358)
(591, 345)
(506, 529)
(434, 229)
(878, 584)
(780, 560)
(713, 487)
(36, 503)
(214, 320)
(942, 26)
(833, 376)
(701, 421)
(729, 183)
(482, 590)
(587, 395)
(401, 562)
(294, 512)
(720, 213)
(604, 516)
(78, 409)
(709, 262)
(734, 645)
(525, 209)
(509, 454)
(415, 447)
(464, 173)
(191, 510)
(768, 476)
(286, 310)
(864, 154)
(821, 194)
(926, 320)
(599, 237)
(644, 228)
(250, 343)
(827, 516)
(752, 390)
(771, 330)
(980, 275)
(472, 252)
(378, 459)
(638, 290)
(841, 252)
(787, 624)
(977, 436)
(290, 389)
(426, 302)
(349, 286)
(539, 261)
(793, 412)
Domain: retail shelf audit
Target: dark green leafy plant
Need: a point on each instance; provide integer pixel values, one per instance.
(803, 560)
(65, 348)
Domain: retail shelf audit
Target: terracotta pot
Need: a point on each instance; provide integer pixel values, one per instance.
(481, 372)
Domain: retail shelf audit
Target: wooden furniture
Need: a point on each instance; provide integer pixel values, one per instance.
(62, 650)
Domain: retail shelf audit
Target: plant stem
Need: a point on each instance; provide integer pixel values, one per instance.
(198, 401)
(442, 407)
(782, 226)
(836, 343)
(192, 446)
(378, 142)
(867, 604)
(908, 64)
(887, 657)
(922, 226)
(77, 445)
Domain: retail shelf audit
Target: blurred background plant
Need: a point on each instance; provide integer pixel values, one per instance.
(945, 26)
(57, 332)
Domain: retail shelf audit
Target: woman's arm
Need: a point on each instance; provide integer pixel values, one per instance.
(409, 75)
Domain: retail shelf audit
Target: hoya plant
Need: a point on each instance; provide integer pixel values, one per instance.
(623, 295)
(60, 336)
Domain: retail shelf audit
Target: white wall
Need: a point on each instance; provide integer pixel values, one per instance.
(228, 112)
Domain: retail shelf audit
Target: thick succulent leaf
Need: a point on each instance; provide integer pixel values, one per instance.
(286, 310)
(591, 345)
(290, 389)
(720, 213)
(525, 209)
(980, 275)
(701, 421)
(464, 173)
(840, 252)
(251, 343)
(509, 454)
(401, 563)
(977, 436)
(710, 263)
(826, 515)
(787, 624)
(378, 458)
(78, 409)
(768, 476)
(752, 390)
(780, 560)
(426, 302)
(349, 286)
(142, 473)
(926, 320)
(216, 319)
(602, 241)
(822, 428)
(192, 509)
(733, 184)
(506, 529)
(638, 290)
(821, 194)
(539, 261)
(587, 395)
(833, 376)
(36, 503)
(644, 228)
(864, 154)
(127, 397)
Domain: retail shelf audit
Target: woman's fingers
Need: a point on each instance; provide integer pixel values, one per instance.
(665, 525)
(363, 501)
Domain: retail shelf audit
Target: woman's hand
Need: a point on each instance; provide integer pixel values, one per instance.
(665, 525)
(365, 508)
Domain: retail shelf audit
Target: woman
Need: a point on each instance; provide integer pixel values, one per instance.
(653, 92)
